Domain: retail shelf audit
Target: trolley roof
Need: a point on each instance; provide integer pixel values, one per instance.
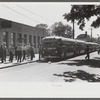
(58, 37)
(68, 39)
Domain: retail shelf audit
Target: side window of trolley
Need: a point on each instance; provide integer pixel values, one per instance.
(60, 44)
(68, 45)
(79, 44)
(63, 44)
(73, 45)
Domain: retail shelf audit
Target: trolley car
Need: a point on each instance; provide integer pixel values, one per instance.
(60, 47)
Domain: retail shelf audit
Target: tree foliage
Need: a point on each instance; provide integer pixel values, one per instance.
(86, 37)
(42, 26)
(81, 13)
(59, 29)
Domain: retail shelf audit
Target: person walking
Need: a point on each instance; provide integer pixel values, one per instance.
(16, 53)
(2, 53)
(19, 51)
(98, 50)
(24, 52)
(87, 53)
(28, 50)
(32, 52)
(11, 53)
(5, 51)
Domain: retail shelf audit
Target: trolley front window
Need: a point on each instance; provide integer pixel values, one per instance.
(50, 44)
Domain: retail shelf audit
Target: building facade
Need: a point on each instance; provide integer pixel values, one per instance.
(12, 32)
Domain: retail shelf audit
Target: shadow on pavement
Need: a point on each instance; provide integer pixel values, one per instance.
(53, 60)
(79, 74)
(91, 63)
(49, 60)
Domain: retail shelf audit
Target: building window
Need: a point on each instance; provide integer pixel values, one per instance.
(19, 37)
(5, 37)
(13, 38)
(30, 39)
(25, 38)
(6, 24)
(34, 41)
(38, 41)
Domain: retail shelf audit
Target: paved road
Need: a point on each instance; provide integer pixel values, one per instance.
(76, 69)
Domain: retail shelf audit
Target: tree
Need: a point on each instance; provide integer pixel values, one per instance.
(84, 37)
(81, 13)
(59, 29)
(42, 26)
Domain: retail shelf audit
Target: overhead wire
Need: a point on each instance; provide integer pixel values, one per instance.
(20, 13)
(34, 13)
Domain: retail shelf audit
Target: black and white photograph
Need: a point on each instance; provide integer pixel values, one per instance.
(49, 42)
(56, 43)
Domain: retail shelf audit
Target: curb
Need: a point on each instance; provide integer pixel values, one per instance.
(17, 64)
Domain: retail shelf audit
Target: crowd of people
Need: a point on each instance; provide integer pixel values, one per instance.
(20, 52)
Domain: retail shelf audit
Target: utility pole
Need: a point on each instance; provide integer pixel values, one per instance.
(91, 34)
(73, 21)
(85, 35)
(73, 29)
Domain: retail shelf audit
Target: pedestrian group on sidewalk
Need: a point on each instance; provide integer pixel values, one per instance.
(21, 52)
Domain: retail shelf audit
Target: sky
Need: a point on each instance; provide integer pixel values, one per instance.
(33, 13)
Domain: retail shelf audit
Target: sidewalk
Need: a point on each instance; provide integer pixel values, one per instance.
(15, 63)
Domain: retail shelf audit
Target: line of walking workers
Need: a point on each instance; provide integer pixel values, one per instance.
(21, 52)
